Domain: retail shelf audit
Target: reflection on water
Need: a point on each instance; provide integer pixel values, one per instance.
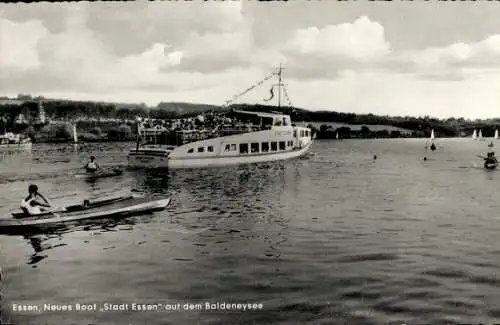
(334, 238)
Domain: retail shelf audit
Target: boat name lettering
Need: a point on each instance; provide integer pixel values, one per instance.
(283, 133)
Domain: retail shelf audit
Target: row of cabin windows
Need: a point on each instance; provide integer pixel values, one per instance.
(202, 149)
(254, 147)
(302, 133)
(264, 146)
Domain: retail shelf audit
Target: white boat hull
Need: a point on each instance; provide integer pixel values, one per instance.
(15, 147)
(138, 161)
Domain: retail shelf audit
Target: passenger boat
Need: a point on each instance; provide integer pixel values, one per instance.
(109, 208)
(14, 142)
(247, 137)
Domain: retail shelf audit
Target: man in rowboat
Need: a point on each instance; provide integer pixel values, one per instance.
(92, 166)
(32, 204)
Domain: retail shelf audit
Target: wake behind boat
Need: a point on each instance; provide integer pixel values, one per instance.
(237, 137)
(108, 208)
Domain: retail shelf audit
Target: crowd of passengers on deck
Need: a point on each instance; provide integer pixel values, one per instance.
(212, 121)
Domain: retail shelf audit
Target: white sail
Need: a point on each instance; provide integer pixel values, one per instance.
(75, 136)
(337, 136)
(480, 135)
(432, 134)
(496, 134)
(474, 135)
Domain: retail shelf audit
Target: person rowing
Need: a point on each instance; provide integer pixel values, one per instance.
(35, 202)
(490, 161)
(92, 166)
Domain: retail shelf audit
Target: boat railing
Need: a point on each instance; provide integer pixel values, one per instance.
(177, 137)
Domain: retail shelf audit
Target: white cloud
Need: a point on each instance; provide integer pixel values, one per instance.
(152, 60)
(362, 39)
(207, 53)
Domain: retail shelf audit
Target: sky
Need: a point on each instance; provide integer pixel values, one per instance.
(437, 58)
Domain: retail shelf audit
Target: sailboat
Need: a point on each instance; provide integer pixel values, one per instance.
(75, 135)
(337, 136)
(433, 146)
(496, 134)
(480, 135)
(474, 135)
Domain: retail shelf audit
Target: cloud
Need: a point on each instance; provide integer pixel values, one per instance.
(203, 52)
(213, 52)
(86, 54)
(362, 40)
(156, 22)
(322, 53)
(456, 61)
(362, 46)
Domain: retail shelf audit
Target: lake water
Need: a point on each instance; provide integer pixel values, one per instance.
(335, 238)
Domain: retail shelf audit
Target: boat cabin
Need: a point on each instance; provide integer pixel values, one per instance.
(182, 131)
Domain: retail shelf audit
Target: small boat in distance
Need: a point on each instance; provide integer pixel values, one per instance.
(432, 146)
(490, 162)
(474, 135)
(14, 142)
(221, 139)
(480, 135)
(496, 135)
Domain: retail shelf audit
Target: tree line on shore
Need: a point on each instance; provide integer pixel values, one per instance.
(416, 126)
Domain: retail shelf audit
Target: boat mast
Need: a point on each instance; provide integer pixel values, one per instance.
(280, 83)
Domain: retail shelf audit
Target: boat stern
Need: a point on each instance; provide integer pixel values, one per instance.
(149, 157)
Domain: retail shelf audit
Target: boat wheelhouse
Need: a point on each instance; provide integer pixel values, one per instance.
(217, 139)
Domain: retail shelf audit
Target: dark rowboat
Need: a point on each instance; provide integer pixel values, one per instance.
(101, 174)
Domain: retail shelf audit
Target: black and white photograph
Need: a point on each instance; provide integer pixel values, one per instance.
(249, 162)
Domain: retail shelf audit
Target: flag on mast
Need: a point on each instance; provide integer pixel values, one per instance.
(272, 94)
